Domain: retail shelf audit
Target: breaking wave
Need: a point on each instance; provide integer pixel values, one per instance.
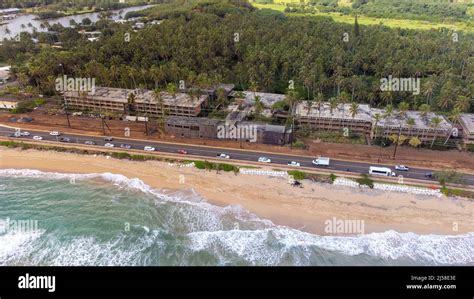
(199, 233)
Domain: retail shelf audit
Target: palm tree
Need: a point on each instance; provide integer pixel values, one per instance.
(463, 103)
(131, 102)
(258, 107)
(388, 112)
(172, 89)
(454, 117)
(435, 122)
(159, 100)
(377, 118)
(424, 110)
(308, 106)
(319, 102)
(403, 109)
(332, 105)
(414, 141)
(353, 109)
(410, 123)
(429, 88)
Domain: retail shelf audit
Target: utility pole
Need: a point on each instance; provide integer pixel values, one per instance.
(67, 112)
(396, 143)
(64, 96)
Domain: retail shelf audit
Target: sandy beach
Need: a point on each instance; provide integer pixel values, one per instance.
(274, 199)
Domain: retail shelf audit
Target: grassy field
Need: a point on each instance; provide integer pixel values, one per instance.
(279, 5)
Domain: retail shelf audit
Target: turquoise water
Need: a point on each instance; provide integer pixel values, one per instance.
(107, 219)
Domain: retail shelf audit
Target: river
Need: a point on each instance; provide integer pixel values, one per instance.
(15, 25)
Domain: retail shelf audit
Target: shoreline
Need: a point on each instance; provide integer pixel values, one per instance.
(306, 209)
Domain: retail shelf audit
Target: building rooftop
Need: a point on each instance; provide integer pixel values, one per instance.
(191, 121)
(9, 11)
(4, 75)
(142, 96)
(268, 99)
(467, 121)
(421, 122)
(343, 111)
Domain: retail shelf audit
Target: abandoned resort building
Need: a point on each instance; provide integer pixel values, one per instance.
(186, 115)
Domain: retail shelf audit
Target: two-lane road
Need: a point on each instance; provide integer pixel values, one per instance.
(242, 155)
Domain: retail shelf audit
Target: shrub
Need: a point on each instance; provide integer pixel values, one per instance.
(365, 180)
(333, 177)
(297, 175)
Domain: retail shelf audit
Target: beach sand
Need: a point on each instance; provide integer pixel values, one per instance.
(274, 199)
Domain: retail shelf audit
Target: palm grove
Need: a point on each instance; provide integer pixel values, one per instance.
(229, 41)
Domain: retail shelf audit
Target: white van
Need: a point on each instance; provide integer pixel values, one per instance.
(385, 171)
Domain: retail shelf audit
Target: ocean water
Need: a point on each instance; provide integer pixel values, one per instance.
(107, 219)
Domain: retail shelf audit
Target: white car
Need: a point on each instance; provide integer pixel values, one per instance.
(224, 156)
(264, 160)
(37, 138)
(294, 163)
(149, 148)
(25, 133)
(401, 168)
(109, 145)
(54, 133)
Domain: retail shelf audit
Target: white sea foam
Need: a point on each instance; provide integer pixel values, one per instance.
(262, 244)
(389, 245)
(15, 244)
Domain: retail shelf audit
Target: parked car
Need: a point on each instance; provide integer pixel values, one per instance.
(149, 148)
(182, 151)
(294, 163)
(127, 146)
(54, 133)
(109, 145)
(89, 142)
(108, 139)
(264, 160)
(224, 156)
(37, 138)
(25, 133)
(401, 168)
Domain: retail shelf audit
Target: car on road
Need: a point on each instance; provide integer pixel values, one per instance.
(321, 161)
(294, 163)
(182, 151)
(429, 175)
(25, 133)
(13, 135)
(89, 142)
(54, 133)
(37, 138)
(108, 138)
(402, 168)
(223, 156)
(127, 146)
(65, 139)
(109, 145)
(149, 148)
(264, 160)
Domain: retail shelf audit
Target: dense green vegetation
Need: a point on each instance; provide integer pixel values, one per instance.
(198, 44)
(428, 10)
(72, 4)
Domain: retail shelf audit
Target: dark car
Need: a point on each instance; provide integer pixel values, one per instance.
(127, 146)
(65, 139)
(429, 175)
